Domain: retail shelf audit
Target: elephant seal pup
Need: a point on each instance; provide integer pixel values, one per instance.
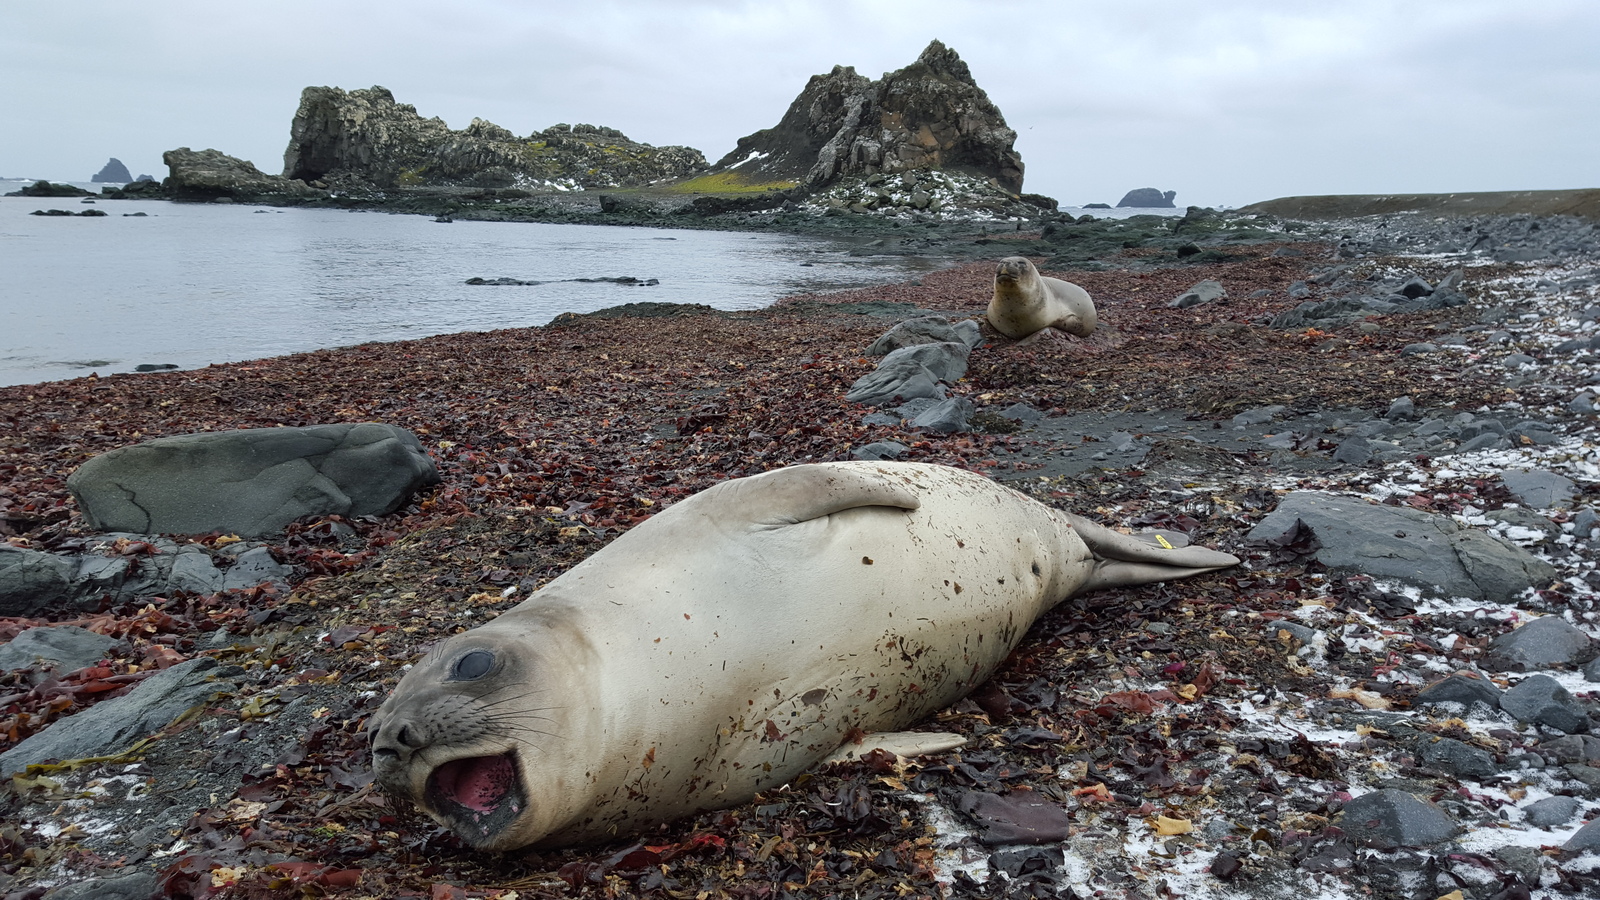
(1025, 302)
(735, 640)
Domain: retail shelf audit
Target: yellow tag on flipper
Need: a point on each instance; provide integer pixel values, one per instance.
(1162, 540)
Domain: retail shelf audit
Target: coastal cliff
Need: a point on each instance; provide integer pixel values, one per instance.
(928, 115)
(365, 136)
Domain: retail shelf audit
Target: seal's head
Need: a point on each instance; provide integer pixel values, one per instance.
(1014, 269)
(480, 733)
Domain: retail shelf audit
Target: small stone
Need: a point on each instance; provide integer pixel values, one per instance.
(1551, 812)
(1462, 689)
(1401, 410)
(65, 648)
(1457, 758)
(1540, 699)
(1547, 642)
(881, 450)
(1353, 451)
(947, 417)
(1225, 866)
(1586, 838)
(1261, 415)
(1393, 818)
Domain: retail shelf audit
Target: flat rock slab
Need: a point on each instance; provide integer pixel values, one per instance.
(31, 580)
(251, 482)
(1393, 818)
(1434, 553)
(65, 648)
(1538, 488)
(112, 726)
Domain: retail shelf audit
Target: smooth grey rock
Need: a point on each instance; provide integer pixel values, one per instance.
(1571, 748)
(111, 726)
(1551, 812)
(193, 571)
(1543, 643)
(1591, 672)
(253, 567)
(1518, 360)
(1526, 862)
(969, 333)
(1539, 488)
(32, 580)
(1206, 291)
(1457, 758)
(1302, 633)
(1486, 441)
(1394, 818)
(921, 330)
(137, 884)
(65, 648)
(880, 450)
(905, 379)
(1353, 451)
(1541, 700)
(1421, 348)
(1021, 412)
(947, 417)
(1432, 552)
(1402, 410)
(1589, 776)
(1261, 415)
(251, 482)
(1298, 290)
(946, 360)
(1586, 838)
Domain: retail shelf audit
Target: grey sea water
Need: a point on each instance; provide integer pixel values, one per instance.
(194, 284)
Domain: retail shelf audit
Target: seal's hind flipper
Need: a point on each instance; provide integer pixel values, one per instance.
(900, 743)
(800, 493)
(1124, 560)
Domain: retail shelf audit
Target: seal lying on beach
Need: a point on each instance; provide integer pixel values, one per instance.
(735, 640)
(1025, 302)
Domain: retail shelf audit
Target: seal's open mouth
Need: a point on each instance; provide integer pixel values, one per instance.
(480, 795)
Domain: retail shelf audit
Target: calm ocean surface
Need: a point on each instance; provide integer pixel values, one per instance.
(193, 284)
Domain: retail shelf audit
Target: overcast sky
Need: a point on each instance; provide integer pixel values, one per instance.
(1224, 101)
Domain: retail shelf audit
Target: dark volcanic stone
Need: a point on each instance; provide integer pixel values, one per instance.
(1392, 818)
(904, 379)
(251, 482)
(1541, 699)
(921, 330)
(1457, 758)
(1148, 198)
(138, 884)
(113, 171)
(1587, 838)
(1551, 811)
(31, 580)
(1433, 552)
(1548, 642)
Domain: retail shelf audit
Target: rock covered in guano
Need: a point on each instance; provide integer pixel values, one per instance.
(928, 115)
(251, 482)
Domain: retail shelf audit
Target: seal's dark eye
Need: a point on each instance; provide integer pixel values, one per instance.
(472, 666)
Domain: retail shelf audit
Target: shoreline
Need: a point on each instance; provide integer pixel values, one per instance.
(553, 439)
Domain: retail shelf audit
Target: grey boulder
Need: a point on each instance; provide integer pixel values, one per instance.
(251, 482)
(1206, 291)
(65, 648)
(900, 380)
(112, 726)
(1434, 553)
(1548, 642)
(1393, 818)
(1551, 812)
(1541, 700)
(947, 417)
(926, 330)
(31, 580)
(1462, 689)
(947, 360)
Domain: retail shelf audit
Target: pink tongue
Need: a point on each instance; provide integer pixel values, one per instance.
(481, 782)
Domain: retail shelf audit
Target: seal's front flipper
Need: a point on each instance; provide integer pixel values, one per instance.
(802, 493)
(1124, 560)
(900, 743)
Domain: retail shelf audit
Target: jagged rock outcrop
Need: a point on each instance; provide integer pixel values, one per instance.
(367, 136)
(928, 115)
(212, 174)
(113, 171)
(1148, 198)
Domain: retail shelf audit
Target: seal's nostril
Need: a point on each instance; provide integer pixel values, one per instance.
(386, 752)
(407, 738)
